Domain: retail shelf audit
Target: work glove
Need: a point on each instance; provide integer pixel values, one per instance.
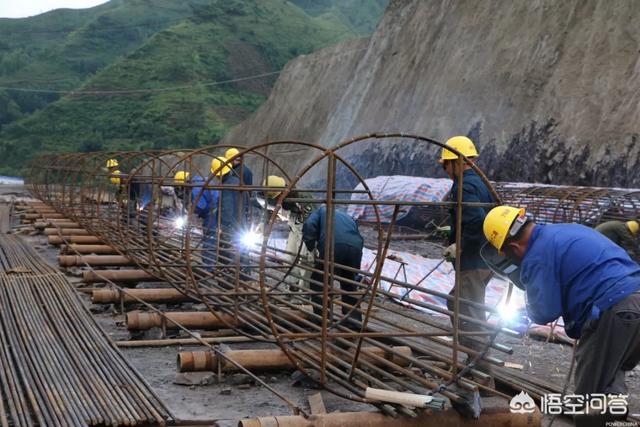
(450, 253)
(444, 231)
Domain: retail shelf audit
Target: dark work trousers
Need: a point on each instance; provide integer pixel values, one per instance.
(473, 284)
(608, 347)
(345, 255)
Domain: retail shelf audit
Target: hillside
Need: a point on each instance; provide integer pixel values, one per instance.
(545, 89)
(362, 15)
(170, 90)
(58, 50)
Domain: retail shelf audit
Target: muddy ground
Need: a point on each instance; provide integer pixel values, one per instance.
(236, 397)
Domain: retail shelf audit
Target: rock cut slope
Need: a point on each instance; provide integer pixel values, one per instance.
(549, 90)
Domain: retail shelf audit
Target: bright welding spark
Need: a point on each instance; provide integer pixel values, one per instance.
(508, 312)
(179, 222)
(250, 238)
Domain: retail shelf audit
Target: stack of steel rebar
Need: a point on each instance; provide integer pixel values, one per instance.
(57, 367)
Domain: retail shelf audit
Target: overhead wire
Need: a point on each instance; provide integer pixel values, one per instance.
(158, 90)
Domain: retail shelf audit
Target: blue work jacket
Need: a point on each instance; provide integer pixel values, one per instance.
(573, 271)
(345, 230)
(245, 172)
(234, 205)
(473, 190)
(207, 206)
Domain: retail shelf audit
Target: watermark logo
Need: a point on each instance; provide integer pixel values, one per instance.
(579, 404)
(571, 404)
(522, 403)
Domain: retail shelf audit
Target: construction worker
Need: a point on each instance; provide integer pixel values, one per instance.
(233, 210)
(347, 250)
(296, 213)
(205, 206)
(572, 271)
(139, 195)
(180, 190)
(474, 274)
(241, 170)
(180, 179)
(112, 165)
(114, 174)
(623, 234)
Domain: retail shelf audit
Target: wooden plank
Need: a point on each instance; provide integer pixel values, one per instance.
(5, 218)
(317, 404)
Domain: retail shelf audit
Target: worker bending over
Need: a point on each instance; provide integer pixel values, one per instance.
(572, 271)
(623, 234)
(347, 251)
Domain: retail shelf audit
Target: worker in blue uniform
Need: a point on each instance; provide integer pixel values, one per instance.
(347, 251)
(573, 271)
(474, 274)
(205, 206)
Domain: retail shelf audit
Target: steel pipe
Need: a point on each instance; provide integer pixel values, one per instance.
(87, 249)
(119, 276)
(65, 231)
(193, 361)
(94, 260)
(86, 240)
(153, 295)
(140, 321)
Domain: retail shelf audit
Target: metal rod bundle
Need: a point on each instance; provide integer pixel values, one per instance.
(57, 367)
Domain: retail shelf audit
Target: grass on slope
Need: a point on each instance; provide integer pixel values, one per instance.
(225, 39)
(58, 50)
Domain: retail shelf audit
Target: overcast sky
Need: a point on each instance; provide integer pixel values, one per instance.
(22, 8)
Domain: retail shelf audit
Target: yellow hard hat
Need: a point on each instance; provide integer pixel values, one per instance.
(115, 177)
(112, 163)
(181, 177)
(498, 222)
(231, 153)
(274, 181)
(217, 167)
(461, 143)
(633, 226)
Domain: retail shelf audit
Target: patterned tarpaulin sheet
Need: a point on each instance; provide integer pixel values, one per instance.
(397, 188)
(440, 280)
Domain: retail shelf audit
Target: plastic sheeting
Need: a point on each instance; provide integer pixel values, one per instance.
(435, 277)
(397, 188)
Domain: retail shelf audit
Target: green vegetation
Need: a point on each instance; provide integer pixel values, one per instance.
(362, 15)
(152, 73)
